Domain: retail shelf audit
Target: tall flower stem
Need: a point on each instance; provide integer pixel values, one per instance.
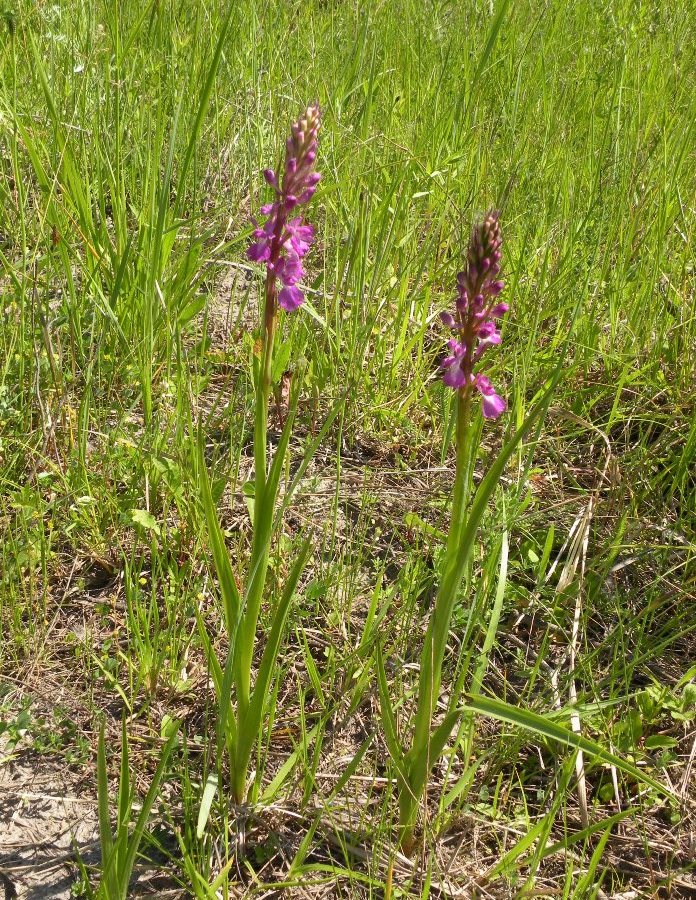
(261, 534)
(462, 478)
(280, 244)
(264, 383)
(436, 636)
(436, 640)
(261, 537)
(477, 309)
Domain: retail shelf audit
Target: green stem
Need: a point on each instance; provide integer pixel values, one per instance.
(462, 478)
(436, 636)
(263, 387)
(261, 531)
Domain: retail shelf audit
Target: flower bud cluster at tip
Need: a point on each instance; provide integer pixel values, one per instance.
(477, 310)
(282, 241)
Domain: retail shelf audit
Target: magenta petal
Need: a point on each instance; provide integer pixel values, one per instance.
(307, 195)
(290, 298)
(300, 236)
(259, 252)
(271, 177)
(493, 406)
(499, 310)
(489, 334)
(289, 269)
(453, 376)
(448, 319)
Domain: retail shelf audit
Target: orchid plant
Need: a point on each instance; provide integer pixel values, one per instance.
(478, 310)
(280, 244)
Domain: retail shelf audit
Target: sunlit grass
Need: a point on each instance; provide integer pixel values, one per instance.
(133, 136)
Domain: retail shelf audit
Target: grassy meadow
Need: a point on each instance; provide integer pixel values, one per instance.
(133, 136)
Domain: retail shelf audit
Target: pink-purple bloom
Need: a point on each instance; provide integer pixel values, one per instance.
(454, 376)
(281, 242)
(474, 321)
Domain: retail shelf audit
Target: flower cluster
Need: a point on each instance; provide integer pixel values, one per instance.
(282, 241)
(477, 309)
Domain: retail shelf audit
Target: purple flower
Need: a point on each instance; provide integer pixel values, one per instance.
(299, 237)
(454, 376)
(259, 252)
(493, 405)
(281, 242)
(475, 315)
(290, 298)
(289, 269)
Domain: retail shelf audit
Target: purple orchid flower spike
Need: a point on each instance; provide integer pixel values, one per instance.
(281, 241)
(474, 321)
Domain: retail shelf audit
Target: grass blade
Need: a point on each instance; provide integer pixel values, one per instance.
(250, 724)
(547, 728)
(228, 586)
(106, 840)
(148, 803)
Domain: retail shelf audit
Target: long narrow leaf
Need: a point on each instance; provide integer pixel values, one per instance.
(250, 724)
(420, 764)
(308, 455)
(438, 628)
(215, 667)
(492, 630)
(260, 549)
(388, 719)
(203, 103)
(547, 728)
(209, 791)
(124, 796)
(284, 771)
(226, 723)
(351, 768)
(105, 836)
(228, 586)
(148, 803)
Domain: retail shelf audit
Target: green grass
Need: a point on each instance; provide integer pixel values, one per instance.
(133, 136)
